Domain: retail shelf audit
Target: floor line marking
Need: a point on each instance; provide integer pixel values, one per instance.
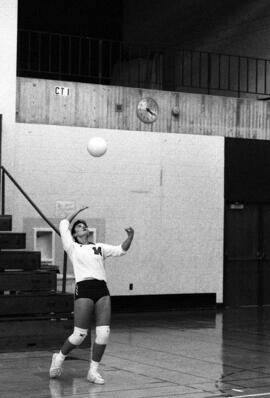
(264, 394)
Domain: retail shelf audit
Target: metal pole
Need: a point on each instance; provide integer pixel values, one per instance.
(239, 77)
(209, 73)
(29, 200)
(100, 48)
(3, 191)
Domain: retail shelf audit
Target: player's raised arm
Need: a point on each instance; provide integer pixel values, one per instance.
(126, 244)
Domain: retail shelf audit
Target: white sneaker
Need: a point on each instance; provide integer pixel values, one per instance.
(56, 367)
(95, 377)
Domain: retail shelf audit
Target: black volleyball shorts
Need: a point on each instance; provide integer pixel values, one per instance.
(93, 289)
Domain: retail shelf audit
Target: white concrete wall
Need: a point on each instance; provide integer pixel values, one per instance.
(169, 187)
(8, 64)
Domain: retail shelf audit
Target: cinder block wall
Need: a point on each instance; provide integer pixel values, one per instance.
(169, 187)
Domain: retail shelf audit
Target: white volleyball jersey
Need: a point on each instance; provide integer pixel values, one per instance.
(87, 260)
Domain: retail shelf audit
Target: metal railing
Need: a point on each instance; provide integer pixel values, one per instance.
(3, 174)
(68, 57)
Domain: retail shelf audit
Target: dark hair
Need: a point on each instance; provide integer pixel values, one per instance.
(74, 225)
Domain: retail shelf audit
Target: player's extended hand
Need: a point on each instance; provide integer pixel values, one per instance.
(130, 231)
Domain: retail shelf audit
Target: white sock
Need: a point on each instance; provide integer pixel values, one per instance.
(61, 357)
(94, 365)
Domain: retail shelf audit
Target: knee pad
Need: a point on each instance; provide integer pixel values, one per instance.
(102, 334)
(77, 336)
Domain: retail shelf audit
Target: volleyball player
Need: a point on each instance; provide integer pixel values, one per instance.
(91, 292)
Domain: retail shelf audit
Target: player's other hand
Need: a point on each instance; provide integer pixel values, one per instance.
(130, 231)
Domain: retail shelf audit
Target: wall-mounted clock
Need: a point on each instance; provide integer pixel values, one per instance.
(147, 110)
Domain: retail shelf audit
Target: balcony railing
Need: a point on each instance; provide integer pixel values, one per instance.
(75, 58)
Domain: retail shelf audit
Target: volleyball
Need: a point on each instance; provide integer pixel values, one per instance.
(97, 146)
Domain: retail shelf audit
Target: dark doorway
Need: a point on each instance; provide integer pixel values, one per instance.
(247, 222)
(247, 255)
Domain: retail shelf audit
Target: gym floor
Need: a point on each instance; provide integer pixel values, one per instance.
(187, 354)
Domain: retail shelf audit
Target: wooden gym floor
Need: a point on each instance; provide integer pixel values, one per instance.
(187, 354)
